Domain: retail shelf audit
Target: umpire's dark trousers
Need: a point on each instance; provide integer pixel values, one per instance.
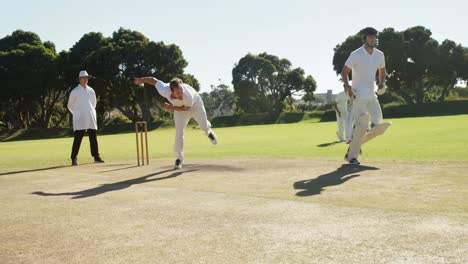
(92, 142)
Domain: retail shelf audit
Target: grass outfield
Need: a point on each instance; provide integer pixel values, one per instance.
(406, 204)
(426, 138)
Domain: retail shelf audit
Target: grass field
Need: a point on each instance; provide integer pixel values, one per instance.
(428, 138)
(264, 194)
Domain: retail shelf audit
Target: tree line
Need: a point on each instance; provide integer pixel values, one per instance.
(35, 79)
(419, 68)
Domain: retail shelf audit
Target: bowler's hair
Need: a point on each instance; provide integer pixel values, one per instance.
(175, 83)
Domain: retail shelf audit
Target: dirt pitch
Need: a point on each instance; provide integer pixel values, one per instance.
(256, 210)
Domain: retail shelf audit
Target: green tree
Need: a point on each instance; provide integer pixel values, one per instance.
(262, 83)
(342, 51)
(191, 80)
(117, 60)
(417, 65)
(220, 101)
(31, 86)
(74, 60)
(310, 85)
(449, 67)
(464, 72)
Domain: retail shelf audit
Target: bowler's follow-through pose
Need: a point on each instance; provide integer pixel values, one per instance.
(187, 104)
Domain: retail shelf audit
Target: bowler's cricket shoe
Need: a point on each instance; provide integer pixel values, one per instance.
(178, 164)
(354, 162)
(98, 160)
(212, 137)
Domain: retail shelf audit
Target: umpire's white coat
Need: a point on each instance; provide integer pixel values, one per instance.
(82, 104)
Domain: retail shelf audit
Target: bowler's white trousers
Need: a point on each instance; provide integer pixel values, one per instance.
(181, 119)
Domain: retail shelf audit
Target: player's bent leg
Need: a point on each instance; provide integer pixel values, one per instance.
(212, 137)
(375, 111)
(377, 130)
(199, 114)
(377, 119)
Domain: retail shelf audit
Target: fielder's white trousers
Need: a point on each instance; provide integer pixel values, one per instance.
(349, 122)
(341, 121)
(181, 119)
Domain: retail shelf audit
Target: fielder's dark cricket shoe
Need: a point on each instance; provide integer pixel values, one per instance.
(74, 162)
(212, 138)
(178, 164)
(98, 160)
(354, 162)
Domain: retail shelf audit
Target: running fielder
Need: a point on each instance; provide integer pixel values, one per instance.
(364, 63)
(341, 109)
(186, 104)
(349, 119)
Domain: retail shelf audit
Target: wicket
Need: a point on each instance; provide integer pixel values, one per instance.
(139, 128)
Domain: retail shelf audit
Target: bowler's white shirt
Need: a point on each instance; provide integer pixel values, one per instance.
(189, 94)
(364, 67)
(82, 104)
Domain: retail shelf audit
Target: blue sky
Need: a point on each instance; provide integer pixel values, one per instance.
(214, 35)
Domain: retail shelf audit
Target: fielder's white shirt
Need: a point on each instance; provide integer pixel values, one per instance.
(189, 97)
(82, 104)
(364, 67)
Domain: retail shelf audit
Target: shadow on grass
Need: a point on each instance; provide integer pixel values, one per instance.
(115, 186)
(328, 144)
(58, 132)
(58, 167)
(33, 170)
(337, 177)
(35, 133)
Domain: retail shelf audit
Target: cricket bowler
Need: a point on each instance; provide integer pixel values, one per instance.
(186, 103)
